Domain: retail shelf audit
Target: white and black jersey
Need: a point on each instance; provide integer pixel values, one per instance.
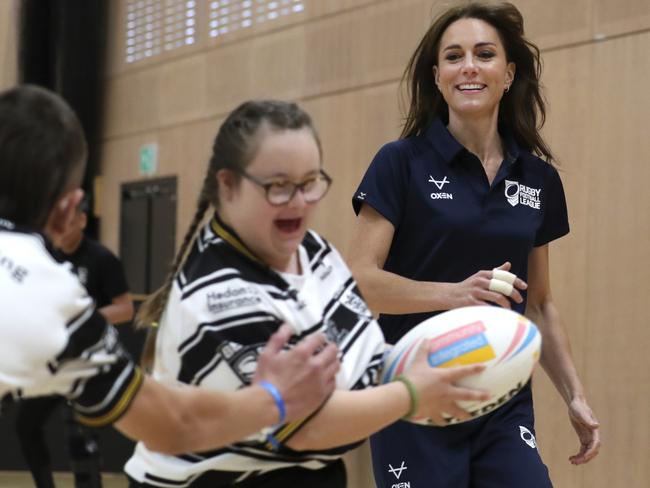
(223, 307)
(52, 339)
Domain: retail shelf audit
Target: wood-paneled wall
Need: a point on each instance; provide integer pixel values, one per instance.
(342, 59)
(8, 43)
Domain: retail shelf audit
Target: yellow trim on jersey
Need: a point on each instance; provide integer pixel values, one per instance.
(231, 239)
(119, 408)
(285, 432)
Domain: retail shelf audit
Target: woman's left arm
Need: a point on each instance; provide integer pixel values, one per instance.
(556, 355)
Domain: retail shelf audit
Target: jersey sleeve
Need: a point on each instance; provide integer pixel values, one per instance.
(384, 185)
(363, 346)
(212, 331)
(57, 343)
(555, 222)
(105, 378)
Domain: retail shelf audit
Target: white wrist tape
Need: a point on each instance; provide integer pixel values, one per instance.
(500, 287)
(503, 275)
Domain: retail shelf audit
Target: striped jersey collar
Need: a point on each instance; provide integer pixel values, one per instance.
(231, 237)
(228, 234)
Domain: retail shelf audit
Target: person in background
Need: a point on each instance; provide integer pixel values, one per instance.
(98, 269)
(461, 211)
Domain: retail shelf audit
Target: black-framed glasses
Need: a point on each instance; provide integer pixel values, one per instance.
(282, 192)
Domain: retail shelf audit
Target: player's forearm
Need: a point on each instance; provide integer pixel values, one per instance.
(556, 356)
(117, 313)
(225, 418)
(389, 293)
(175, 421)
(351, 416)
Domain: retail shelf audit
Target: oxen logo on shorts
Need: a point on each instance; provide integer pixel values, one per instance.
(527, 436)
(516, 194)
(397, 471)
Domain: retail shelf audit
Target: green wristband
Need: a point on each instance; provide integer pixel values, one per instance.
(413, 393)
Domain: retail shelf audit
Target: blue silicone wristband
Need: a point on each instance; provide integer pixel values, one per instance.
(277, 397)
(273, 441)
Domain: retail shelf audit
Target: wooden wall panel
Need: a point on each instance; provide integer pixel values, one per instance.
(600, 136)
(557, 22)
(278, 65)
(132, 103)
(367, 46)
(188, 147)
(116, 42)
(570, 138)
(8, 43)
(183, 93)
(352, 127)
(614, 18)
(230, 80)
(618, 255)
(318, 8)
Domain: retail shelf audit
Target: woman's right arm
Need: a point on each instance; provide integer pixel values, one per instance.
(351, 416)
(390, 293)
(178, 420)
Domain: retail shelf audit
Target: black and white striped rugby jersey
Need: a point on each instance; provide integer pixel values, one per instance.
(52, 340)
(223, 307)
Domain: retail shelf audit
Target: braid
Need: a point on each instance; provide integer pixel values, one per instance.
(153, 307)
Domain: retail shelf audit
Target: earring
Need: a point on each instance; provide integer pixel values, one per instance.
(507, 88)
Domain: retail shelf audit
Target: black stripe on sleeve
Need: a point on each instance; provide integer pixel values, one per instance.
(194, 287)
(228, 322)
(116, 403)
(87, 330)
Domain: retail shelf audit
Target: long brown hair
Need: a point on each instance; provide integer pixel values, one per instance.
(522, 109)
(234, 148)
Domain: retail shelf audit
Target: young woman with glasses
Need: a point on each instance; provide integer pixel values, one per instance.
(251, 268)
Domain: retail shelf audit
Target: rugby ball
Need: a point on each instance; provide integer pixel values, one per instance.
(505, 341)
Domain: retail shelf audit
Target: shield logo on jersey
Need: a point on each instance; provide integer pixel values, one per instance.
(527, 436)
(512, 192)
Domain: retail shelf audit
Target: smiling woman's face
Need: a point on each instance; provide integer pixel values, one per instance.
(472, 72)
(272, 232)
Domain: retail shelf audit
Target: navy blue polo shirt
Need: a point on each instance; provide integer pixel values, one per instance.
(449, 221)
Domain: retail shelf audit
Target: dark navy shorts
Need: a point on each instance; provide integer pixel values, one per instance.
(497, 450)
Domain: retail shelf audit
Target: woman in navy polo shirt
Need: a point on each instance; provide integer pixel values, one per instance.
(463, 192)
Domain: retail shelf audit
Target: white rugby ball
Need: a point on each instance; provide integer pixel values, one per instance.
(506, 342)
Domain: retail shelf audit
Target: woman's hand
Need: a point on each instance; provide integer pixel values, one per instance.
(488, 286)
(436, 389)
(305, 375)
(587, 427)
